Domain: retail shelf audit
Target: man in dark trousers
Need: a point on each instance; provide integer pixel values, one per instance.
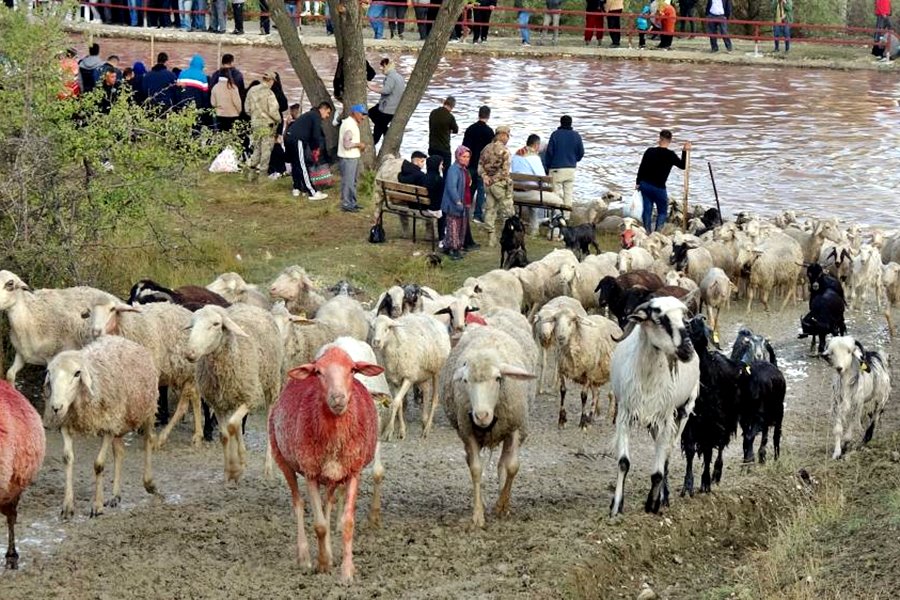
(477, 136)
(159, 84)
(652, 175)
(441, 125)
(305, 145)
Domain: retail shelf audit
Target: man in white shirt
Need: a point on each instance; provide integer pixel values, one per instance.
(721, 11)
(527, 160)
(349, 151)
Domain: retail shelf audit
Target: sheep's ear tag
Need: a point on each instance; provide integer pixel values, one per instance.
(864, 366)
(747, 369)
(716, 337)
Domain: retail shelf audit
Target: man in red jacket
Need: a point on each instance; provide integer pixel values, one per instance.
(882, 16)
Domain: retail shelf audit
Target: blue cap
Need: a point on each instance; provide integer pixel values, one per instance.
(359, 108)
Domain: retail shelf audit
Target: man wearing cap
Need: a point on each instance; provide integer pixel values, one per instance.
(656, 165)
(349, 151)
(262, 106)
(441, 125)
(564, 151)
(494, 169)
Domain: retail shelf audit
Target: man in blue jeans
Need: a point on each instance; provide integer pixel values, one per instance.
(652, 175)
(720, 11)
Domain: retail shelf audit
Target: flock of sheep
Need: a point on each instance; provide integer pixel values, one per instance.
(483, 351)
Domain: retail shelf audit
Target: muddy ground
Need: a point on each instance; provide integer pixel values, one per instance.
(202, 539)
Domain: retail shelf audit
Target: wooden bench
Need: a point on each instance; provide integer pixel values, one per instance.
(400, 198)
(541, 184)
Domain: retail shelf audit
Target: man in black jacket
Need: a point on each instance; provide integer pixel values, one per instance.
(159, 83)
(656, 165)
(304, 145)
(441, 125)
(477, 136)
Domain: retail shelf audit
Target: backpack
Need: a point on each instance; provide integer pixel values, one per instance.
(643, 23)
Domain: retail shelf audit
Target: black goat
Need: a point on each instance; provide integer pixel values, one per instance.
(512, 238)
(516, 258)
(762, 389)
(819, 281)
(192, 297)
(714, 420)
(626, 292)
(749, 346)
(580, 239)
(825, 317)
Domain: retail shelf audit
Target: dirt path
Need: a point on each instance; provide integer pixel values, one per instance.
(202, 540)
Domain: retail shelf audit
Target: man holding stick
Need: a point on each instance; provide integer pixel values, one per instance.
(655, 167)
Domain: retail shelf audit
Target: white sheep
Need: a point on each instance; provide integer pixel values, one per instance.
(495, 289)
(294, 286)
(159, 327)
(346, 316)
(543, 324)
(862, 386)
(715, 293)
(233, 288)
(108, 388)
(691, 258)
(301, 337)
(487, 385)
(412, 350)
(45, 322)
(542, 280)
(582, 279)
(679, 279)
(865, 276)
(378, 388)
(655, 377)
(585, 348)
(633, 259)
(450, 309)
(776, 262)
(390, 302)
(811, 241)
(239, 359)
(890, 280)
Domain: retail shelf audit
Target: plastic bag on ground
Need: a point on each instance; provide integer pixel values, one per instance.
(225, 162)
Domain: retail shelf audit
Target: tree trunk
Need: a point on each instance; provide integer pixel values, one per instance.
(427, 63)
(347, 18)
(312, 84)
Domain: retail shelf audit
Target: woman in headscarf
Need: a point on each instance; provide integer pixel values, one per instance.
(456, 202)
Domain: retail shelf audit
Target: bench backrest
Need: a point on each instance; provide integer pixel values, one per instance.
(403, 193)
(524, 182)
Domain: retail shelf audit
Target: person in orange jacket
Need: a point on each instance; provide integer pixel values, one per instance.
(666, 13)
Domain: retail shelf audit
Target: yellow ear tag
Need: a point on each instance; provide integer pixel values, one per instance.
(747, 369)
(716, 336)
(864, 366)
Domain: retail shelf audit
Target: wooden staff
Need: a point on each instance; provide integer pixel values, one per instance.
(687, 186)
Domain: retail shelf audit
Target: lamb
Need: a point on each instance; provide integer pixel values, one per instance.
(585, 348)
(325, 427)
(865, 274)
(399, 300)
(192, 297)
(239, 359)
(159, 328)
(487, 385)
(825, 317)
(108, 388)
(694, 261)
(543, 326)
(762, 390)
(412, 349)
(714, 420)
(233, 288)
(862, 386)
(45, 322)
(715, 292)
(890, 279)
(655, 377)
(512, 238)
(22, 449)
(298, 291)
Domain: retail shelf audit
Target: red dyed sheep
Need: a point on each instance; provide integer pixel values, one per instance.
(325, 427)
(22, 447)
